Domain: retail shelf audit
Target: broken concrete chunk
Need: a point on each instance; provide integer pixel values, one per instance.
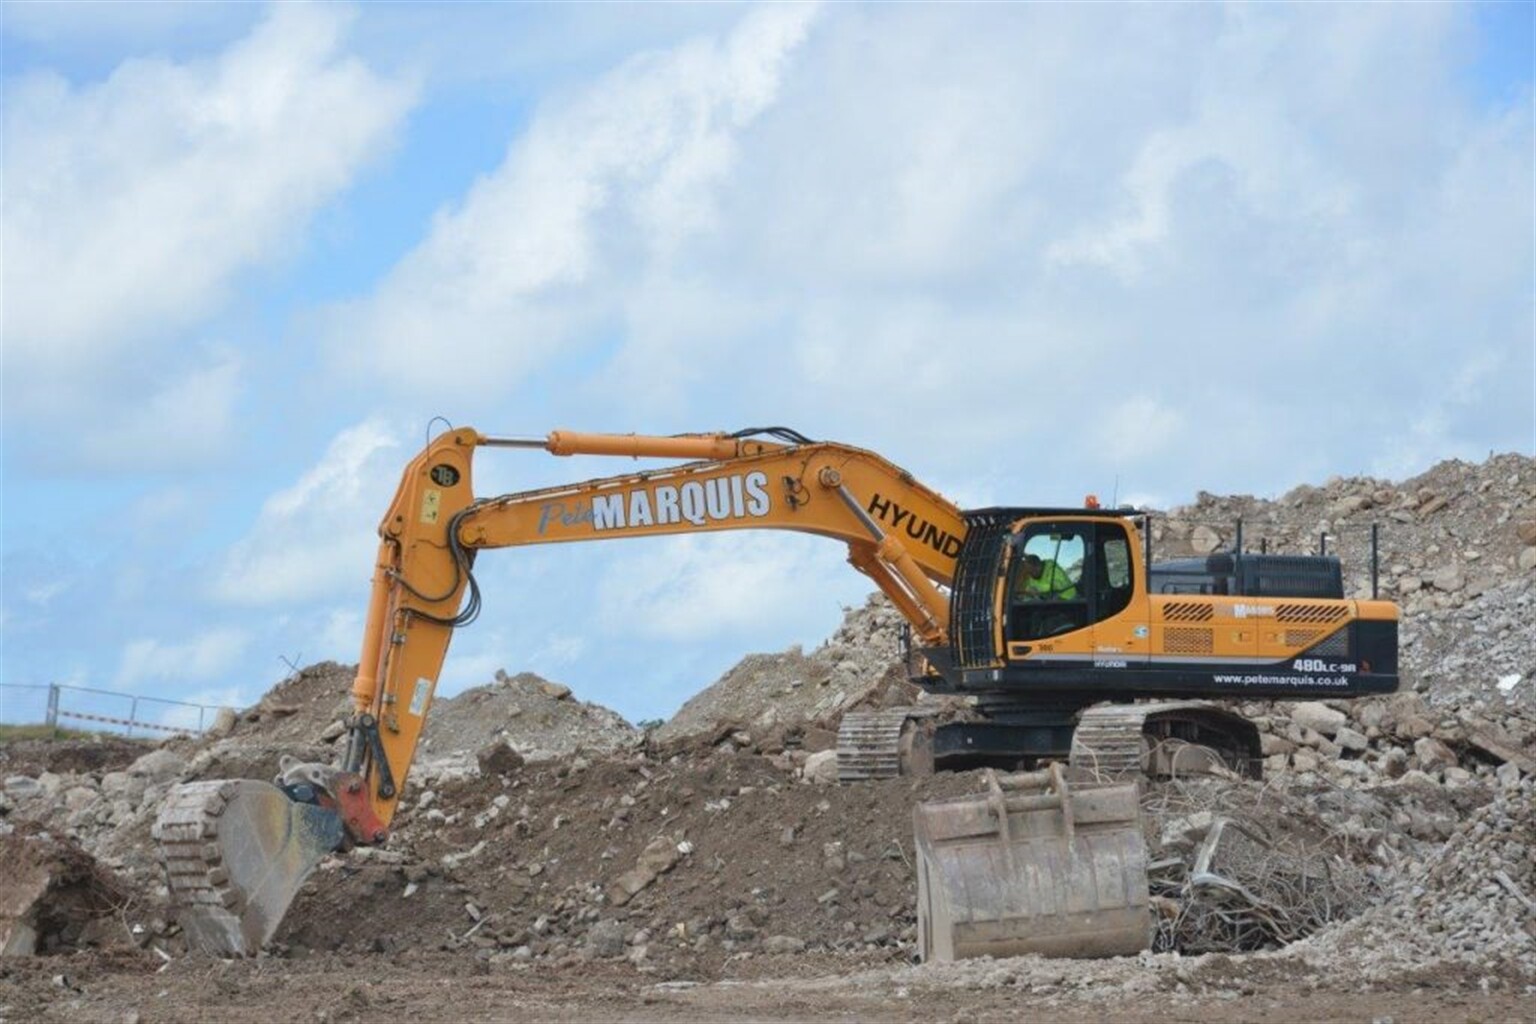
(1349, 740)
(821, 767)
(1319, 717)
(1433, 754)
(498, 759)
(605, 939)
(658, 857)
(159, 766)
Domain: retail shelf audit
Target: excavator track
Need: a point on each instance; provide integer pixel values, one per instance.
(870, 743)
(236, 852)
(1113, 740)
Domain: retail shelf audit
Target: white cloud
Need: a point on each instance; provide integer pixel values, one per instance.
(191, 414)
(133, 205)
(1136, 428)
(204, 656)
(749, 585)
(623, 169)
(988, 264)
(316, 538)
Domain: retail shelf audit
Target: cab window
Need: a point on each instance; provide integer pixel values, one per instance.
(1114, 586)
(1065, 576)
(1045, 587)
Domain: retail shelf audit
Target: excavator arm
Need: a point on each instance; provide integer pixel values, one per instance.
(901, 534)
(237, 851)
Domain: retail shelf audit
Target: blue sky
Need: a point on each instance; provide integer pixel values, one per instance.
(1025, 251)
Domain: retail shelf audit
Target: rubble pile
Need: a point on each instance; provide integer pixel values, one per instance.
(55, 896)
(1471, 900)
(858, 666)
(537, 718)
(541, 830)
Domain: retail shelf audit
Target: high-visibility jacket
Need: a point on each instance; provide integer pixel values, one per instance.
(1053, 583)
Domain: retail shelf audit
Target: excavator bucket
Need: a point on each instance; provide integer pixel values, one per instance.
(236, 852)
(1036, 864)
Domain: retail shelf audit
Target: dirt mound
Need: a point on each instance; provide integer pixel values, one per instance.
(537, 718)
(55, 896)
(755, 860)
(101, 753)
(859, 664)
(301, 707)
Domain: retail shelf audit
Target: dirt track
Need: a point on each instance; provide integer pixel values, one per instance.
(435, 986)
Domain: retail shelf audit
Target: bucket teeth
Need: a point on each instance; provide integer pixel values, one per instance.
(235, 854)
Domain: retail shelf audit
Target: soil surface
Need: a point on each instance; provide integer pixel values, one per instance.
(100, 754)
(427, 985)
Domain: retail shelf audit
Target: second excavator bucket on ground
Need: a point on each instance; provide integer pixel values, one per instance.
(236, 852)
(1036, 864)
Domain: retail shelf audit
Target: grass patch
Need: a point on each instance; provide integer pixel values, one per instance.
(16, 733)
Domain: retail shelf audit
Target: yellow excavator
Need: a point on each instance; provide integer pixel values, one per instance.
(1054, 620)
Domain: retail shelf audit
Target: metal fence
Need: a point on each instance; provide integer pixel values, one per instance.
(56, 706)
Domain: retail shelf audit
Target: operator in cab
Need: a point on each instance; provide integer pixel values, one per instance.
(1041, 579)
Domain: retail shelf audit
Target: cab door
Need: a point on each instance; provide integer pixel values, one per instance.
(1121, 612)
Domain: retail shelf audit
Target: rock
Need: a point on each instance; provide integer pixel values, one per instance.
(498, 759)
(1371, 714)
(783, 944)
(1526, 531)
(1508, 775)
(1449, 579)
(1432, 753)
(223, 723)
(1304, 761)
(1395, 763)
(122, 786)
(1492, 740)
(739, 928)
(556, 691)
(78, 798)
(605, 939)
(833, 857)
(1526, 559)
(1350, 740)
(21, 787)
(821, 767)
(1318, 716)
(333, 732)
(1455, 776)
(659, 857)
(1270, 744)
(159, 766)
(1204, 540)
(1434, 503)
